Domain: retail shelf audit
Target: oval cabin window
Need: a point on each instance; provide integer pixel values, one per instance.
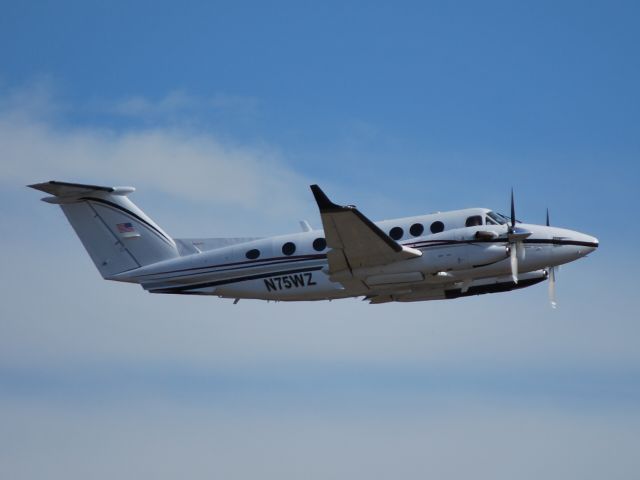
(319, 244)
(437, 226)
(289, 248)
(416, 229)
(253, 254)
(396, 233)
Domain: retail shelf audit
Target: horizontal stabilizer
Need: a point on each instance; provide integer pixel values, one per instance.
(77, 190)
(188, 246)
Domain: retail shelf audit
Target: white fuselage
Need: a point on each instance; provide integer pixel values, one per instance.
(456, 261)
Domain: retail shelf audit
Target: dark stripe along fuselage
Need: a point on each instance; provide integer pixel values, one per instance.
(232, 267)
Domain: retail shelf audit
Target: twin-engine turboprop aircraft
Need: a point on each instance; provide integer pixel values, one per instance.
(428, 257)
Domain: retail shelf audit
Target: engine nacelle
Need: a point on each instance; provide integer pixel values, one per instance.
(477, 287)
(463, 256)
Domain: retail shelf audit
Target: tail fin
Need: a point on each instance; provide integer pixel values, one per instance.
(117, 235)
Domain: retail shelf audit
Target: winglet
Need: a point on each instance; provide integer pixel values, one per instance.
(324, 204)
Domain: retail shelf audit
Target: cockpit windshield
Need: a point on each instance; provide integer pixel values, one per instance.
(494, 218)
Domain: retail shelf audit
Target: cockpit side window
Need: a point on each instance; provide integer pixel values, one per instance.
(473, 221)
(496, 217)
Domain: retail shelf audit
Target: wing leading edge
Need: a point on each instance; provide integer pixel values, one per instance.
(355, 241)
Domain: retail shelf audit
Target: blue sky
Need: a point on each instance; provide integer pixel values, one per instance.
(222, 114)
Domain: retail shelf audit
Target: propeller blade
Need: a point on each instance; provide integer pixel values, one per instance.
(552, 287)
(513, 211)
(548, 224)
(552, 277)
(520, 250)
(514, 246)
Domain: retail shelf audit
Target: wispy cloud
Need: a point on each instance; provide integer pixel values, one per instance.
(36, 145)
(32, 100)
(141, 106)
(180, 102)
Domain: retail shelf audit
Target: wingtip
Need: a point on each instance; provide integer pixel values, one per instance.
(36, 186)
(324, 204)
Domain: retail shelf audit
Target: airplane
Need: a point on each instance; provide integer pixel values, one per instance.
(438, 256)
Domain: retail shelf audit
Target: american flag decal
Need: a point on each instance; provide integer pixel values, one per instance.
(125, 227)
(127, 230)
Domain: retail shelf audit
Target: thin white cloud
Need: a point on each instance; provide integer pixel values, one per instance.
(34, 100)
(141, 106)
(179, 102)
(35, 146)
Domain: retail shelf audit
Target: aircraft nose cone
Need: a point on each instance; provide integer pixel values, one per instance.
(569, 245)
(586, 243)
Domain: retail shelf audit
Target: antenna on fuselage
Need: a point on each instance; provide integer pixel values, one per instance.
(304, 226)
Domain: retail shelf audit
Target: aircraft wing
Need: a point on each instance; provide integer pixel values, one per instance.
(355, 241)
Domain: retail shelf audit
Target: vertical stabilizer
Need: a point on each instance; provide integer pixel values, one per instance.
(115, 232)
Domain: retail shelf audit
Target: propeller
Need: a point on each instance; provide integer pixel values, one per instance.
(552, 278)
(516, 236)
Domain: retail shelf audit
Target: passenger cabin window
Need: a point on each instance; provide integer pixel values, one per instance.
(396, 233)
(253, 254)
(289, 248)
(437, 227)
(416, 229)
(319, 244)
(473, 221)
